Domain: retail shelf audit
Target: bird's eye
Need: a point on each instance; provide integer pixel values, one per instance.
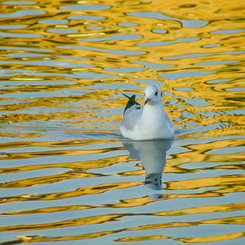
(156, 93)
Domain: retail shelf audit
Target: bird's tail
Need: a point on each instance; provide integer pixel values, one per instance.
(131, 102)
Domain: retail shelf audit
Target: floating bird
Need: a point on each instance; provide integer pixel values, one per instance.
(148, 122)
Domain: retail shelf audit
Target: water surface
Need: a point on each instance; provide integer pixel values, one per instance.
(67, 176)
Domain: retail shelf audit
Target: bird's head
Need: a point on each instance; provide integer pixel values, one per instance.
(153, 94)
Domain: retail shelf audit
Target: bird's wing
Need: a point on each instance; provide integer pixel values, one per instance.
(168, 120)
(131, 102)
(131, 117)
(132, 113)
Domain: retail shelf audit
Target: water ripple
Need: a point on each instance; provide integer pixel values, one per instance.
(67, 175)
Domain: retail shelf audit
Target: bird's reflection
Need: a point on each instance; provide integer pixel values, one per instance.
(152, 154)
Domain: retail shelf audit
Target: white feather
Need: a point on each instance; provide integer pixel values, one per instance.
(150, 121)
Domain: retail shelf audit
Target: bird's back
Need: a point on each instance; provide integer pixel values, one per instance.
(131, 117)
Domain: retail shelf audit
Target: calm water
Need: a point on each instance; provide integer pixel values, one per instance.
(67, 176)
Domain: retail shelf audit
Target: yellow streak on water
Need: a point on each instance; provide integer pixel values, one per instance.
(189, 240)
(82, 109)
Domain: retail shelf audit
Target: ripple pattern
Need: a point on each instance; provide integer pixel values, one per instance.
(67, 176)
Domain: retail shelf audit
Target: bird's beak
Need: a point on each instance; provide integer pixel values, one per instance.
(147, 100)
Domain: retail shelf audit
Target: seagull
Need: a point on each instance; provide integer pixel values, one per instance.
(149, 122)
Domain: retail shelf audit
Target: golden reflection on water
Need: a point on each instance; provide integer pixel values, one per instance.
(157, 45)
(63, 68)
